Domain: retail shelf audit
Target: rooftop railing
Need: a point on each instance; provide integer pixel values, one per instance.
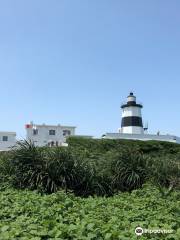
(126, 103)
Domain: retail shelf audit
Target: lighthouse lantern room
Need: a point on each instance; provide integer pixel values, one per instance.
(131, 116)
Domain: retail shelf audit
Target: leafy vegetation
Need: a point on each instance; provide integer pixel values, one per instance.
(29, 215)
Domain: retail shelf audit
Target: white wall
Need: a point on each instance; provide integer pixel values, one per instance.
(6, 145)
(43, 137)
(131, 111)
(143, 137)
(131, 99)
(132, 130)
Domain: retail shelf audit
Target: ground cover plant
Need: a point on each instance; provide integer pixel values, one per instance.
(28, 215)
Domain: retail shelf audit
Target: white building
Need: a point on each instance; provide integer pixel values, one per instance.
(7, 140)
(48, 135)
(132, 124)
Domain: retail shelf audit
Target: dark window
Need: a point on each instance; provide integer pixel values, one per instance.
(51, 144)
(66, 132)
(35, 131)
(52, 132)
(5, 138)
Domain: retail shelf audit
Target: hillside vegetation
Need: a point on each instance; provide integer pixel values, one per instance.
(152, 148)
(92, 167)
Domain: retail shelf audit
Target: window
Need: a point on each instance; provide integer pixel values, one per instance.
(35, 131)
(5, 138)
(52, 132)
(66, 132)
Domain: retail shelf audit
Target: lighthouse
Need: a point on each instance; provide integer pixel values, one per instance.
(132, 125)
(131, 116)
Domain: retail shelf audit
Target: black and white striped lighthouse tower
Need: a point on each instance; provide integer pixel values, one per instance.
(131, 116)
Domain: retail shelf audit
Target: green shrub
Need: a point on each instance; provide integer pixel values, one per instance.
(129, 169)
(91, 167)
(28, 163)
(165, 172)
(6, 169)
(46, 169)
(68, 170)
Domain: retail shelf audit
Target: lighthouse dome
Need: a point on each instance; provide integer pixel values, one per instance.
(131, 98)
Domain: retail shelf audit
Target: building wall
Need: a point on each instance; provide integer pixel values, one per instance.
(11, 140)
(42, 138)
(143, 137)
(130, 130)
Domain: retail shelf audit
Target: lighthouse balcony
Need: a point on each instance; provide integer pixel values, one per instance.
(131, 104)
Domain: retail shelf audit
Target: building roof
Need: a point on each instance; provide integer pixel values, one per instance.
(6, 132)
(46, 125)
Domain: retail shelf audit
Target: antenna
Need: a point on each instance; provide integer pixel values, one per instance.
(131, 92)
(146, 127)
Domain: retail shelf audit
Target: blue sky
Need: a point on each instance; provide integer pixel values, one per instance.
(74, 61)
